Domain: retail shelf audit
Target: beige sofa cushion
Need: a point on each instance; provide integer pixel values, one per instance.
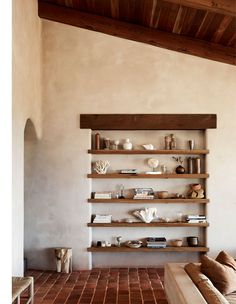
(231, 298)
(209, 292)
(225, 259)
(222, 276)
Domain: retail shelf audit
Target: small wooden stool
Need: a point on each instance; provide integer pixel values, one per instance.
(19, 285)
(63, 258)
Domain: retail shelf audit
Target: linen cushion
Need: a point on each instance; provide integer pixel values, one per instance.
(231, 298)
(225, 259)
(209, 292)
(223, 277)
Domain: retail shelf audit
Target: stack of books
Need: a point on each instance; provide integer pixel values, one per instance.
(102, 219)
(143, 193)
(102, 195)
(156, 242)
(143, 196)
(129, 171)
(195, 219)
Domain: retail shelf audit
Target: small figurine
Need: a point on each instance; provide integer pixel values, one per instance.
(118, 239)
(196, 191)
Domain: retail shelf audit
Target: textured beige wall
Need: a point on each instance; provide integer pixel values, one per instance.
(88, 72)
(26, 104)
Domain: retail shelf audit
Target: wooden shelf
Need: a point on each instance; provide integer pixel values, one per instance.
(149, 201)
(141, 224)
(145, 249)
(160, 176)
(187, 152)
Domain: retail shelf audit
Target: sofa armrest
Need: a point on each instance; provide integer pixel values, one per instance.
(179, 288)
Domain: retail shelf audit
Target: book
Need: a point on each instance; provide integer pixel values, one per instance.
(129, 171)
(104, 195)
(196, 221)
(143, 196)
(102, 219)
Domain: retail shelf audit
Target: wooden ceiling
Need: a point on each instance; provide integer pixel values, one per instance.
(204, 28)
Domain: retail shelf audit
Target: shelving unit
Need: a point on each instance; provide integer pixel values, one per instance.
(198, 122)
(119, 175)
(148, 201)
(145, 249)
(152, 224)
(130, 152)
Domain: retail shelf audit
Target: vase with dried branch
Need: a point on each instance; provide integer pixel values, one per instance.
(179, 169)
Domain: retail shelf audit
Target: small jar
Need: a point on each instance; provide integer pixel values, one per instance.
(127, 145)
(167, 142)
(192, 241)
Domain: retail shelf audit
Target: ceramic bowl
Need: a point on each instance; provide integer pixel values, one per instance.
(177, 243)
(162, 194)
(134, 244)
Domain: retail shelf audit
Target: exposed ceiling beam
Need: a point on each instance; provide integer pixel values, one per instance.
(225, 7)
(137, 33)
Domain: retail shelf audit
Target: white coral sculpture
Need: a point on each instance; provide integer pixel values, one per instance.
(147, 215)
(101, 166)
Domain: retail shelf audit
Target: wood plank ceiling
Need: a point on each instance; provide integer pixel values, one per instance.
(204, 28)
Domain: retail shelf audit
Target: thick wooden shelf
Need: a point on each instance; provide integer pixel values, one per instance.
(148, 121)
(142, 175)
(131, 152)
(141, 224)
(145, 249)
(149, 201)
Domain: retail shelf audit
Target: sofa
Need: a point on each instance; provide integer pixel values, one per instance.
(180, 289)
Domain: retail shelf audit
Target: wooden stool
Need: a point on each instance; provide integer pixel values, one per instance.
(19, 285)
(63, 258)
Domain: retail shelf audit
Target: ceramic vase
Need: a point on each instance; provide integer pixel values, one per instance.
(127, 145)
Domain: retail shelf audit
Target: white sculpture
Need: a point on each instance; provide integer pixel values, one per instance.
(153, 163)
(147, 215)
(101, 166)
(148, 147)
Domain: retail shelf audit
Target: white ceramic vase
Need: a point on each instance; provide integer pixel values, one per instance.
(127, 145)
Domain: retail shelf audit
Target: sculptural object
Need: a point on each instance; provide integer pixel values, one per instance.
(147, 215)
(101, 166)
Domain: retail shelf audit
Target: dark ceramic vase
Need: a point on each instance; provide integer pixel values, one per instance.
(180, 170)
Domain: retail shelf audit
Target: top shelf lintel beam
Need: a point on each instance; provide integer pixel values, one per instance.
(148, 121)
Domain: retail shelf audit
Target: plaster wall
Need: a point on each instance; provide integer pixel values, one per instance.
(89, 72)
(26, 105)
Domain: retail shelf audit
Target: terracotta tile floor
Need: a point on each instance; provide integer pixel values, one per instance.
(100, 286)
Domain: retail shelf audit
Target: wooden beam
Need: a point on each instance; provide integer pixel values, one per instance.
(224, 7)
(138, 33)
(147, 121)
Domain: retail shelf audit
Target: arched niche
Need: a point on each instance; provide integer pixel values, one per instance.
(30, 133)
(30, 172)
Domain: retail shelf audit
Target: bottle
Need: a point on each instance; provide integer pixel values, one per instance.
(167, 142)
(190, 165)
(198, 165)
(127, 145)
(173, 142)
(97, 141)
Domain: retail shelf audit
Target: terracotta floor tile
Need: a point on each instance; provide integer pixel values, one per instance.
(100, 286)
